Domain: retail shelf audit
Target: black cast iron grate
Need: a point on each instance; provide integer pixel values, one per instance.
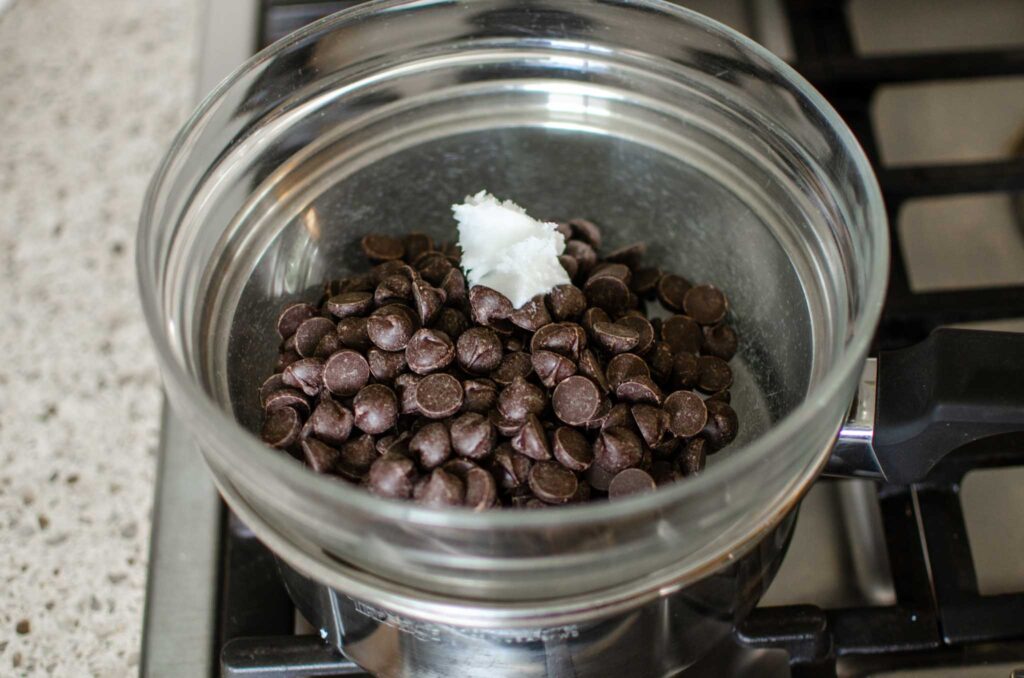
(939, 617)
(939, 613)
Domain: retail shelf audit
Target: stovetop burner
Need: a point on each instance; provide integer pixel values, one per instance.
(880, 580)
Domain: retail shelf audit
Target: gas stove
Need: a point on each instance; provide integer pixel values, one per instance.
(879, 580)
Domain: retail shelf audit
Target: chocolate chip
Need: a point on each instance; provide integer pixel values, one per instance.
(428, 299)
(644, 330)
(722, 424)
(394, 443)
(452, 322)
(387, 268)
(532, 315)
(667, 447)
(681, 334)
(551, 368)
(625, 366)
(440, 489)
(346, 372)
(505, 427)
(671, 290)
(652, 422)
(274, 382)
(617, 449)
(405, 385)
(511, 469)
(431, 444)
(481, 489)
(392, 476)
(331, 343)
(356, 457)
(583, 253)
(630, 255)
(479, 350)
(725, 396)
(706, 304)
(589, 366)
(520, 399)
(576, 400)
(429, 351)
(375, 409)
(639, 389)
(532, 439)
(517, 364)
(454, 287)
(583, 493)
(416, 244)
(281, 427)
(692, 459)
(309, 334)
(630, 481)
(306, 374)
(720, 341)
(487, 305)
(319, 456)
(592, 316)
(350, 303)
(571, 449)
(608, 269)
(685, 370)
(645, 282)
(664, 472)
(285, 359)
(660, 359)
(567, 302)
(617, 415)
(565, 337)
(616, 338)
(433, 267)
(460, 466)
(585, 230)
(570, 265)
(687, 413)
(292, 316)
(438, 396)
(714, 374)
(331, 422)
(607, 292)
(551, 482)
(286, 397)
(392, 288)
(390, 331)
(378, 247)
(479, 395)
(385, 365)
(353, 333)
(598, 478)
(472, 435)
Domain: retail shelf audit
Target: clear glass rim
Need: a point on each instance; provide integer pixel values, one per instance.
(209, 414)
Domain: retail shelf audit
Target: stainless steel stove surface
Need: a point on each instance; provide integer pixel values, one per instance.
(879, 580)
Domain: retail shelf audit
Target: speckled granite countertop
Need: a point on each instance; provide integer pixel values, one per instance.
(90, 95)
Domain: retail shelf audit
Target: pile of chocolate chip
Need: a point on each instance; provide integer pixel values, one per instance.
(406, 382)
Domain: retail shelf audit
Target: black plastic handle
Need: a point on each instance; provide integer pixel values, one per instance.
(953, 388)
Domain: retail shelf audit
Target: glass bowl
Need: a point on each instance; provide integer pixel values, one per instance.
(661, 125)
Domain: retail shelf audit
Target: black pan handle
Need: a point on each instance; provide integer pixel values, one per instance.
(953, 388)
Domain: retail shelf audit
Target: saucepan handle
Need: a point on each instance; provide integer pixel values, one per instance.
(918, 404)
